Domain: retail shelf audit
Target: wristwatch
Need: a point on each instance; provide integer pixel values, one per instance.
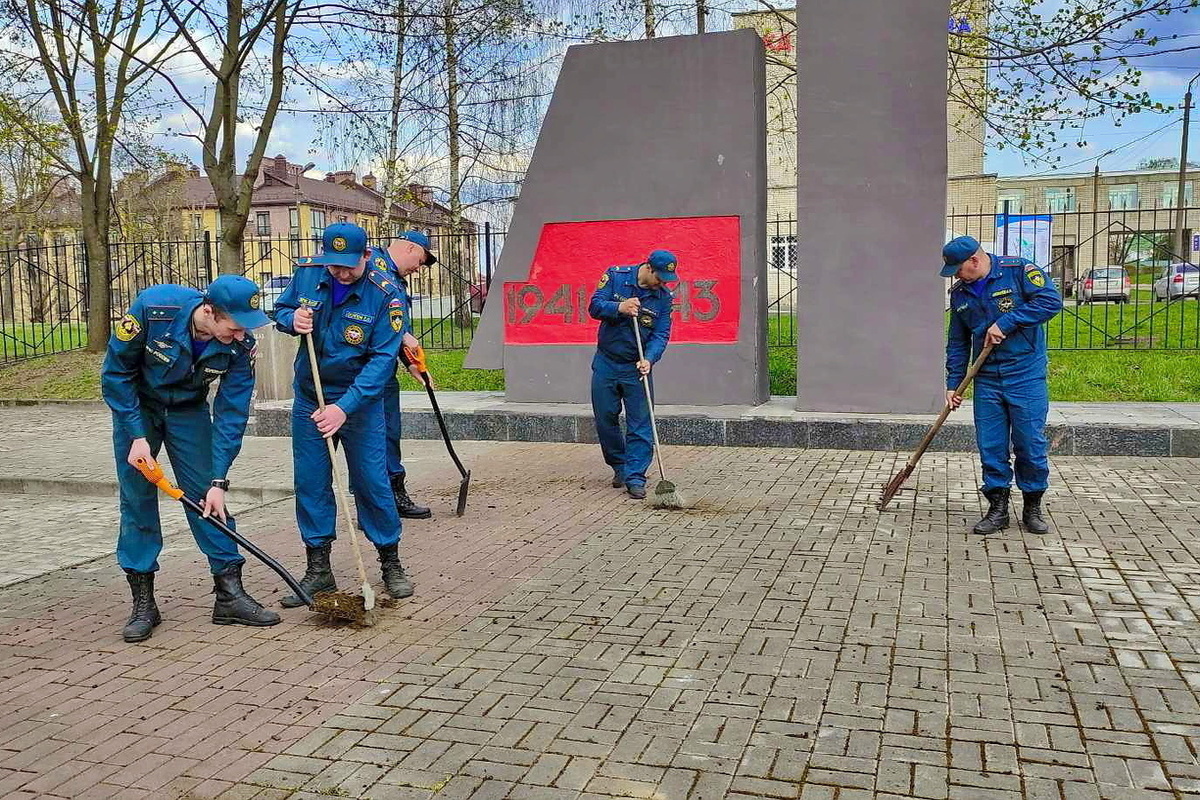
(220, 483)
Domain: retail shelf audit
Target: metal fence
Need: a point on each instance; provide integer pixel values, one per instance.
(1125, 282)
(44, 287)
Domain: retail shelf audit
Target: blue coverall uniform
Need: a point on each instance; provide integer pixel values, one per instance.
(158, 390)
(357, 344)
(391, 391)
(1011, 391)
(615, 378)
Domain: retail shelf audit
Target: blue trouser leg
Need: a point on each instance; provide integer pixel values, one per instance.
(366, 460)
(391, 408)
(187, 434)
(1028, 405)
(606, 408)
(992, 430)
(639, 437)
(316, 508)
(313, 477)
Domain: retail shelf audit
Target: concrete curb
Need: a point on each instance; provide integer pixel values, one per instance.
(243, 499)
(851, 432)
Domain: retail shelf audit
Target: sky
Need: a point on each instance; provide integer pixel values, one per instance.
(304, 137)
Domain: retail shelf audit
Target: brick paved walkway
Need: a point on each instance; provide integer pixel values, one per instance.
(781, 639)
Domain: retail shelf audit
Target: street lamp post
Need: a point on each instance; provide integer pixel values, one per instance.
(1184, 246)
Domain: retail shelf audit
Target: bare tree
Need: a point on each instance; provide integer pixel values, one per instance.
(91, 58)
(239, 33)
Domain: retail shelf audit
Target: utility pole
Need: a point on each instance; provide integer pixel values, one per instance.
(1184, 245)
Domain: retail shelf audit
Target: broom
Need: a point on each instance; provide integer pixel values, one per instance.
(338, 604)
(893, 486)
(666, 495)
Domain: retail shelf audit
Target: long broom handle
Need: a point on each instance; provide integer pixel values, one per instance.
(343, 511)
(637, 335)
(962, 387)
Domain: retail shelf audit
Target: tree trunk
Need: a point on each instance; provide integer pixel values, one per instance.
(99, 298)
(391, 175)
(701, 13)
(230, 245)
(649, 6)
(460, 286)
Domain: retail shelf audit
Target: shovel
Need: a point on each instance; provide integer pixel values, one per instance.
(410, 357)
(152, 471)
(893, 486)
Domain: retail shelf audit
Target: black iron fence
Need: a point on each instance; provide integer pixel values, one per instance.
(1127, 282)
(44, 287)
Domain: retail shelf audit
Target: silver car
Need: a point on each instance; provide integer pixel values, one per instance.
(1177, 281)
(1105, 283)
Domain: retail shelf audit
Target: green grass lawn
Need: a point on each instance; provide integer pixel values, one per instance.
(37, 338)
(1149, 373)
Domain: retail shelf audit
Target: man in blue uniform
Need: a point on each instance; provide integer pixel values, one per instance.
(355, 317)
(637, 292)
(1003, 300)
(406, 254)
(171, 345)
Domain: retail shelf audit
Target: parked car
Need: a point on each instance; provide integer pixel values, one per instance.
(1176, 282)
(271, 291)
(1105, 283)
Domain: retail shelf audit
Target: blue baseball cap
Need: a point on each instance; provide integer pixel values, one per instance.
(342, 245)
(416, 237)
(957, 251)
(239, 298)
(663, 263)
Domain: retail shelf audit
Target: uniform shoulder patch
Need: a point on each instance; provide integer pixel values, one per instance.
(381, 279)
(1034, 275)
(603, 280)
(127, 328)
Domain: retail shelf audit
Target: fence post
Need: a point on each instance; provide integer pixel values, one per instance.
(487, 253)
(208, 259)
(1007, 204)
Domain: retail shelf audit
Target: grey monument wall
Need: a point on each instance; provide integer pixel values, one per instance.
(871, 204)
(659, 142)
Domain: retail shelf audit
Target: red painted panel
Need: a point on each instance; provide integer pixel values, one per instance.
(551, 307)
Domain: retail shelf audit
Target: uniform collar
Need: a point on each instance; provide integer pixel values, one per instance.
(181, 327)
(327, 282)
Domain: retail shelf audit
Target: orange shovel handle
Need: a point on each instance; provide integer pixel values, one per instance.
(416, 356)
(152, 471)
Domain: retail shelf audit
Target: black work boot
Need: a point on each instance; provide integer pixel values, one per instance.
(618, 481)
(637, 491)
(145, 614)
(234, 606)
(1031, 513)
(318, 577)
(996, 518)
(404, 504)
(394, 578)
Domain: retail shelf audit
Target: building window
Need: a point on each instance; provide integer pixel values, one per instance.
(264, 251)
(1170, 191)
(263, 223)
(1015, 198)
(294, 247)
(783, 254)
(342, 218)
(318, 223)
(1122, 196)
(294, 220)
(197, 222)
(1060, 199)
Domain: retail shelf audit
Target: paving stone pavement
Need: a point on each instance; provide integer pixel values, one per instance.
(780, 639)
(58, 487)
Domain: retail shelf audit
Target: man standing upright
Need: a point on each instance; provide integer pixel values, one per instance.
(627, 293)
(1003, 301)
(406, 254)
(162, 357)
(354, 317)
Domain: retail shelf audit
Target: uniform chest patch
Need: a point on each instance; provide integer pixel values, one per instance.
(963, 307)
(308, 302)
(355, 315)
(1005, 304)
(163, 357)
(354, 334)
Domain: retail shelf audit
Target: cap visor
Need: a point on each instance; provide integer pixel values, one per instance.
(337, 259)
(250, 319)
(950, 270)
(430, 259)
(667, 277)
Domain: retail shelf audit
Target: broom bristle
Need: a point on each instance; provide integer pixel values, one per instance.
(667, 496)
